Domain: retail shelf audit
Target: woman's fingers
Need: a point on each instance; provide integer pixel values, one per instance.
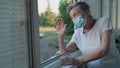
(65, 60)
(60, 23)
(69, 61)
(65, 25)
(60, 26)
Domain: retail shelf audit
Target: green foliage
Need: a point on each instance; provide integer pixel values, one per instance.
(66, 17)
(42, 19)
(47, 18)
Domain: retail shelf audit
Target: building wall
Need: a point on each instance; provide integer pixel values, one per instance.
(109, 8)
(118, 15)
(94, 7)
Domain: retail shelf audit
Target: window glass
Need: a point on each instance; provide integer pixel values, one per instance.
(49, 11)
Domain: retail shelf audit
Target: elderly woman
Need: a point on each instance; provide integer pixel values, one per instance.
(92, 36)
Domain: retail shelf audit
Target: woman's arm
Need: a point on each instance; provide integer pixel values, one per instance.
(104, 49)
(60, 27)
(71, 46)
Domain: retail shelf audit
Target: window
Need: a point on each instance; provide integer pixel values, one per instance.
(13, 34)
(48, 38)
(47, 30)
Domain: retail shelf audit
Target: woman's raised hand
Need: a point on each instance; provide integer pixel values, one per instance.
(60, 27)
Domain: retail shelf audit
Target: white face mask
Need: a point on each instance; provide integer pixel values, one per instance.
(79, 22)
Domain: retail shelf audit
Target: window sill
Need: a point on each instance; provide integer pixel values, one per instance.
(55, 62)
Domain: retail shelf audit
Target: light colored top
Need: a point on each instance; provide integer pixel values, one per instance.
(91, 41)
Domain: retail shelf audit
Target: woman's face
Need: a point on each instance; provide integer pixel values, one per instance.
(75, 12)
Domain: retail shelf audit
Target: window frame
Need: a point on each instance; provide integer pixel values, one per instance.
(55, 62)
(33, 34)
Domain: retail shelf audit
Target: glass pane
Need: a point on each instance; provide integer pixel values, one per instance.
(47, 31)
(48, 14)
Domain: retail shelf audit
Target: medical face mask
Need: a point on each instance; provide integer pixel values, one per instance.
(79, 22)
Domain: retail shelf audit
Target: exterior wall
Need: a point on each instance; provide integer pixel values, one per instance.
(113, 13)
(95, 7)
(118, 15)
(109, 8)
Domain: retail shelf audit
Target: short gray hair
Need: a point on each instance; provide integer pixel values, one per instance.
(83, 6)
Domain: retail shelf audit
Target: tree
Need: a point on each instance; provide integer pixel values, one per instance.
(48, 17)
(42, 20)
(65, 16)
